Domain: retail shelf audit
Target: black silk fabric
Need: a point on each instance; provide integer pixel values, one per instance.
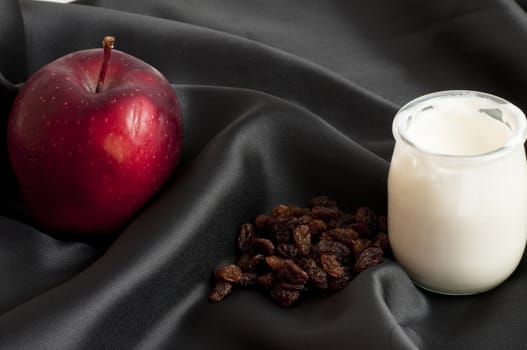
(282, 101)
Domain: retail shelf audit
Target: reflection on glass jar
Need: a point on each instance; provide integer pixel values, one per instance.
(457, 191)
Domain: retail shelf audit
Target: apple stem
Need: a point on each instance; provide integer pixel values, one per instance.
(107, 45)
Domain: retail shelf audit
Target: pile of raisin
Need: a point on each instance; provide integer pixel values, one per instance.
(294, 250)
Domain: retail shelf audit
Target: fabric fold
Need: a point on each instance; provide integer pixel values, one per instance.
(281, 101)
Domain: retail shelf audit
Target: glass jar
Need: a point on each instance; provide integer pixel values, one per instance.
(457, 191)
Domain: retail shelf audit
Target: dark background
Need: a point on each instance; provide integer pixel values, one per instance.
(282, 100)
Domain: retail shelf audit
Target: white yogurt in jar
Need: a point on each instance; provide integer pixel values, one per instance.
(457, 191)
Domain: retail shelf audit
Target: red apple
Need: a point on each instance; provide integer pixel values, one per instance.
(92, 136)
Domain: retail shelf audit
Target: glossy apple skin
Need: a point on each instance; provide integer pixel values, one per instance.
(87, 162)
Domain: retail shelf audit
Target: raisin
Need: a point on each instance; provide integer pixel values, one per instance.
(368, 258)
(262, 222)
(279, 233)
(345, 236)
(338, 283)
(287, 251)
(362, 229)
(381, 241)
(345, 220)
(294, 250)
(381, 223)
(317, 226)
(245, 236)
(251, 263)
(327, 247)
(262, 245)
(367, 216)
(280, 211)
(325, 237)
(219, 291)
(324, 213)
(288, 285)
(266, 280)
(291, 272)
(331, 265)
(302, 238)
(296, 221)
(248, 279)
(332, 224)
(296, 211)
(322, 201)
(317, 275)
(274, 262)
(359, 245)
(284, 297)
(228, 273)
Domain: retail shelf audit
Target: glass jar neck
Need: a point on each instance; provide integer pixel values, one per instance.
(460, 125)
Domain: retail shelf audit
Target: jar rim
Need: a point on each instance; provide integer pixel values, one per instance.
(518, 136)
